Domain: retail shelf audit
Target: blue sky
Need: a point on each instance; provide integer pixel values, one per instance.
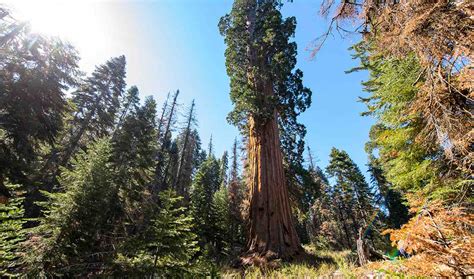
(175, 44)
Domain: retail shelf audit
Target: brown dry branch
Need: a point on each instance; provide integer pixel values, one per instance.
(441, 34)
(439, 239)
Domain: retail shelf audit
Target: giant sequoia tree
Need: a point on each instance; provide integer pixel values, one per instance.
(268, 96)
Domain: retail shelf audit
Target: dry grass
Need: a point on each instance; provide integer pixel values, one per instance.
(328, 264)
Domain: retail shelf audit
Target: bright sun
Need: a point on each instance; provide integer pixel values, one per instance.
(68, 19)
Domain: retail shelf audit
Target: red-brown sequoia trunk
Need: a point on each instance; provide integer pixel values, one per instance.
(272, 234)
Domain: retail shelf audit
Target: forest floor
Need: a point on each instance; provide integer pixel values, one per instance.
(328, 265)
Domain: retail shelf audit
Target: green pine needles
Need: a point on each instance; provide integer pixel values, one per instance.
(167, 248)
(12, 233)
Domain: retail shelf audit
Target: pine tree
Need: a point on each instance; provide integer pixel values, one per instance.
(12, 233)
(97, 102)
(438, 44)
(417, 168)
(174, 238)
(205, 184)
(130, 103)
(346, 222)
(224, 166)
(133, 152)
(168, 246)
(35, 73)
(351, 181)
(220, 224)
(325, 228)
(184, 171)
(236, 199)
(164, 139)
(172, 163)
(198, 153)
(162, 119)
(390, 198)
(81, 227)
(210, 147)
(351, 194)
(267, 95)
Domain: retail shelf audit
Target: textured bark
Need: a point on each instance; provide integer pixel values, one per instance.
(272, 234)
(362, 251)
(271, 231)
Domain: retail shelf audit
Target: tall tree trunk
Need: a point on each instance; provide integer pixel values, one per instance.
(160, 176)
(179, 187)
(272, 234)
(271, 230)
(342, 221)
(162, 117)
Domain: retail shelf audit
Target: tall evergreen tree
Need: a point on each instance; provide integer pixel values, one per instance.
(35, 73)
(165, 144)
(236, 199)
(267, 95)
(205, 184)
(168, 246)
(162, 120)
(325, 227)
(134, 149)
(351, 181)
(191, 161)
(130, 103)
(224, 167)
(220, 224)
(81, 227)
(412, 162)
(171, 163)
(351, 194)
(210, 147)
(183, 174)
(389, 198)
(97, 101)
(199, 155)
(173, 237)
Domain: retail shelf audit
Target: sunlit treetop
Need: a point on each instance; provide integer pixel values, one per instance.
(260, 61)
(260, 55)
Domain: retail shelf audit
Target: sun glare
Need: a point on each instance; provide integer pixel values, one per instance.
(91, 26)
(69, 19)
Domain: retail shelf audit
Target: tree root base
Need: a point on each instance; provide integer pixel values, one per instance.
(271, 260)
